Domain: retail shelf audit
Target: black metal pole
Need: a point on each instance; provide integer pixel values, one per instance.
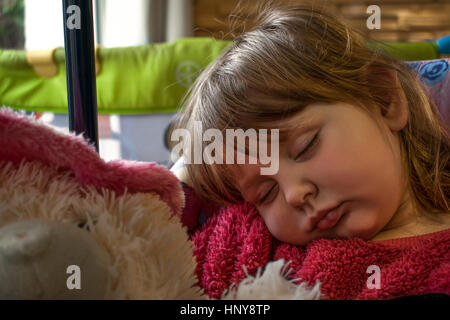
(80, 68)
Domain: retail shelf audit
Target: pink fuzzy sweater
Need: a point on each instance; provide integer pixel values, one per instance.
(237, 236)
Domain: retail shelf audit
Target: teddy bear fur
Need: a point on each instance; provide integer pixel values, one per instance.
(129, 208)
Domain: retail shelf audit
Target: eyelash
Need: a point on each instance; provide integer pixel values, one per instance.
(309, 147)
(263, 199)
(303, 152)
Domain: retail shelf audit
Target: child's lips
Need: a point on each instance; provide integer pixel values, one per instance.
(329, 219)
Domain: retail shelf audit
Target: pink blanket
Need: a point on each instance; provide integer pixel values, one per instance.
(237, 237)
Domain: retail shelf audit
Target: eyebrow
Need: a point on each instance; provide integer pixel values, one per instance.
(301, 124)
(304, 123)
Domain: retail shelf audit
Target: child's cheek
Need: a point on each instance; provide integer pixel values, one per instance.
(280, 222)
(348, 158)
(336, 164)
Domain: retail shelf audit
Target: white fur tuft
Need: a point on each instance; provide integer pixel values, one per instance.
(272, 285)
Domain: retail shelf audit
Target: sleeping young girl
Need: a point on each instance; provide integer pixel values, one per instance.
(363, 154)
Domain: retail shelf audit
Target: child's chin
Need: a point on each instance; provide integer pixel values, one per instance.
(353, 226)
(363, 234)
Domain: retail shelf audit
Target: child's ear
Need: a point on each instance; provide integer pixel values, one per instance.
(394, 110)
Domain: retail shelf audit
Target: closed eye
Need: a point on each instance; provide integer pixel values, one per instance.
(266, 196)
(310, 147)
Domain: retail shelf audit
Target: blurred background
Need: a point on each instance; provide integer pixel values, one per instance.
(37, 24)
(401, 20)
(34, 24)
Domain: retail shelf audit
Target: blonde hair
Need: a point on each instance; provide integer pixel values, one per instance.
(295, 56)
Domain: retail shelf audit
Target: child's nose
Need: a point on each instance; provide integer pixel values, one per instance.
(299, 194)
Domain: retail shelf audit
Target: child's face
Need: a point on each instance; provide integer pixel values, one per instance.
(350, 163)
